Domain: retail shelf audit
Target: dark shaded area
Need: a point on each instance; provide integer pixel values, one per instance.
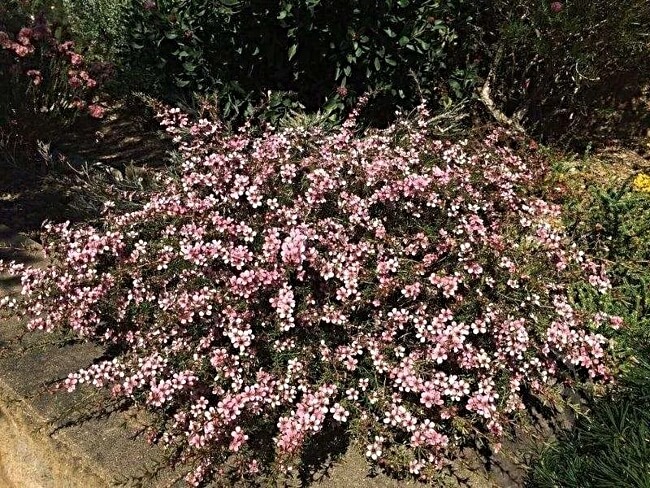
(38, 183)
(321, 454)
(14, 247)
(615, 111)
(608, 447)
(129, 134)
(27, 198)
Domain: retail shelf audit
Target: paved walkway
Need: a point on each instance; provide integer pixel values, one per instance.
(60, 440)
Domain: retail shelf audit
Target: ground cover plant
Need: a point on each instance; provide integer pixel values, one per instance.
(608, 211)
(278, 287)
(409, 292)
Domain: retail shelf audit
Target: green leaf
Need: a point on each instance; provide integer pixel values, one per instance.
(292, 51)
(390, 32)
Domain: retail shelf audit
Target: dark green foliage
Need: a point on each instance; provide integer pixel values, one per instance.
(314, 52)
(572, 73)
(559, 70)
(611, 448)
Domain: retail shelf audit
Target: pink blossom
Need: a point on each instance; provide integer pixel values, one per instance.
(35, 75)
(76, 59)
(96, 111)
(283, 283)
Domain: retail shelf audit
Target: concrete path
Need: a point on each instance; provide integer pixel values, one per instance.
(60, 440)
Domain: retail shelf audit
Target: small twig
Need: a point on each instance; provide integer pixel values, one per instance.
(583, 76)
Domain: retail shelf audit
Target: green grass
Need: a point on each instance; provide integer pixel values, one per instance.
(608, 448)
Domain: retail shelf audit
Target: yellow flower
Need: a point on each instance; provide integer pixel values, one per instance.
(642, 183)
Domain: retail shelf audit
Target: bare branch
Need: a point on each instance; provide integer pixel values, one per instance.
(485, 97)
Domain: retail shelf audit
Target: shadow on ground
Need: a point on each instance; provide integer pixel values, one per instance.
(37, 183)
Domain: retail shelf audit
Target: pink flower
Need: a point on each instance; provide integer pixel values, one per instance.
(22, 50)
(79, 104)
(557, 7)
(76, 59)
(374, 450)
(616, 322)
(75, 82)
(24, 36)
(96, 111)
(238, 439)
(66, 46)
(35, 75)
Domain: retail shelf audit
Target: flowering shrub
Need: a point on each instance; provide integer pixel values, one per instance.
(43, 75)
(613, 223)
(410, 290)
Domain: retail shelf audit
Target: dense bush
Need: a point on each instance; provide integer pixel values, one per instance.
(310, 50)
(409, 291)
(560, 67)
(97, 27)
(570, 69)
(97, 24)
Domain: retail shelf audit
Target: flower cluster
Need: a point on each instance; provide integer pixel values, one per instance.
(284, 284)
(36, 53)
(641, 183)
